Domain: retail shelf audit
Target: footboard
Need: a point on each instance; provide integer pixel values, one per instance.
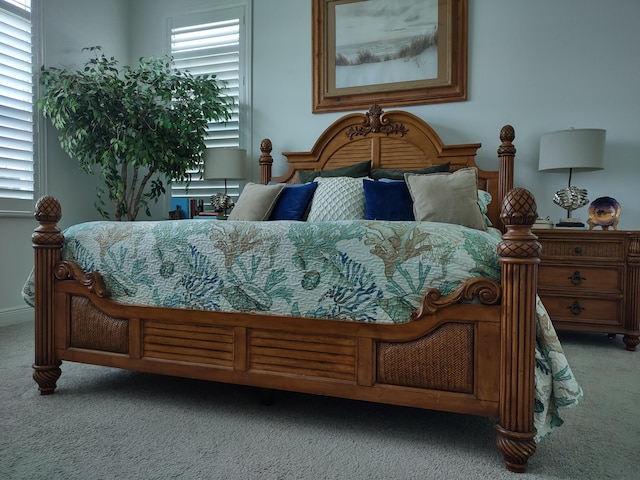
(475, 358)
(447, 358)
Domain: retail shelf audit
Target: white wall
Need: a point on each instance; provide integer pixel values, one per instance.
(540, 66)
(69, 26)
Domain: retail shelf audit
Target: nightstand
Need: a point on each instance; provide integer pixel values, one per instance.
(589, 280)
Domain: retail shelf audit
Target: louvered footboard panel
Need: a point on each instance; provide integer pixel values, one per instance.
(189, 343)
(315, 355)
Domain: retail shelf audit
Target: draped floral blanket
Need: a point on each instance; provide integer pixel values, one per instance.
(368, 271)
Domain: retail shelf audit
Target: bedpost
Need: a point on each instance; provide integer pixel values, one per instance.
(47, 243)
(265, 161)
(519, 255)
(506, 155)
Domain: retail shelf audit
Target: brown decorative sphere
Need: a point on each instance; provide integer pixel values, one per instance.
(604, 212)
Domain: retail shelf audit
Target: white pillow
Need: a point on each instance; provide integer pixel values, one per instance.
(337, 198)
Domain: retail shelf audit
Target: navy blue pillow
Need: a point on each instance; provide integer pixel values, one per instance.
(387, 201)
(293, 201)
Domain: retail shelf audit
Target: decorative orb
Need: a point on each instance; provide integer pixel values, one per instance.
(604, 212)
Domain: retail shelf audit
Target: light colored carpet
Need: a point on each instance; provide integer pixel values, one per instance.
(110, 424)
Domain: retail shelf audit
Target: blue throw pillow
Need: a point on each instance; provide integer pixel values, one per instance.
(293, 201)
(387, 201)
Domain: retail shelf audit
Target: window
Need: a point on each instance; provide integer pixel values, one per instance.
(16, 107)
(215, 42)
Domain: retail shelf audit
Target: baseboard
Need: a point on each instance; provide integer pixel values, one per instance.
(13, 316)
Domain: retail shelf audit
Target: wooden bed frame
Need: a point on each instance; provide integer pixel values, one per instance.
(472, 358)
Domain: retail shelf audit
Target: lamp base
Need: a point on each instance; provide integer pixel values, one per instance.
(570, 223)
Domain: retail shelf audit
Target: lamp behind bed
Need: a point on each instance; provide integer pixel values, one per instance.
(224, 163)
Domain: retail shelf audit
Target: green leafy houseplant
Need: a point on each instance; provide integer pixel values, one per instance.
(141, 127)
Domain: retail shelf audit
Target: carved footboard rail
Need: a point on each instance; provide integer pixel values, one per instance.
(481, 356)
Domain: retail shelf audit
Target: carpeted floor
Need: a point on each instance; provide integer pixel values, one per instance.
(109, 424)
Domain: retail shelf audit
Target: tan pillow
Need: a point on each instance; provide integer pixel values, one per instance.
(447, 198)
(256, 202)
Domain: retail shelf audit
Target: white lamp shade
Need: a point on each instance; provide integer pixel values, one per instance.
(223, 163)
(580, 149)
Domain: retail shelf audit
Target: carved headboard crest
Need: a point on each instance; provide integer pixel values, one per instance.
(376, 122)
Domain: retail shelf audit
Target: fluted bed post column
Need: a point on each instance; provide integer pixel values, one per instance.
(506, 156)
(47, 243)
(265, 161)
(519, 254)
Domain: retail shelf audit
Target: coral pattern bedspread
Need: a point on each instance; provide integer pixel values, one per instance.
(369, 271)
(353, 270)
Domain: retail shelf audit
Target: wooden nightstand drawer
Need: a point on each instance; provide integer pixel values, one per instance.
(583, 249)
(583, 310)
(581, 278)
(589, 281)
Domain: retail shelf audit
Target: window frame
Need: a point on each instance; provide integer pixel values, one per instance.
(11, 207)
(203, 189)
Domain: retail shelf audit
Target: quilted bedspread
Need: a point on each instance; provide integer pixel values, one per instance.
(368, 271)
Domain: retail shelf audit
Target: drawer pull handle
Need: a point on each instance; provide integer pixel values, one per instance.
(576, 278)
(578, 250)
(575, 308)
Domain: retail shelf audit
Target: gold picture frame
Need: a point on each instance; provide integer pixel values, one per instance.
(343, 32)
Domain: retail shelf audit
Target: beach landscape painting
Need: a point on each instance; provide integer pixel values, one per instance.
(393, 53)
(380, 42)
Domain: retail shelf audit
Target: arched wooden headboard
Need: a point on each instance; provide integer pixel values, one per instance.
(395, 140)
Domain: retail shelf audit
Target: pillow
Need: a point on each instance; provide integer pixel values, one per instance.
(361, 169)
(387, 201)
(393, 174)
(484, 199)
(256, 202)
(447, 198)
(293, 202)
(337, 198)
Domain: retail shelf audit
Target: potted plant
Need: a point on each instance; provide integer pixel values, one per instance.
(140, 127)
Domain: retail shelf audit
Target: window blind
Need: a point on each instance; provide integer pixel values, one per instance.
(212, 47)
(16, 105)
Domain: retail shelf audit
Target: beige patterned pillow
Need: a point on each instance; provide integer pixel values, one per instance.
(256, 202)
(447, 198)
(337, 198)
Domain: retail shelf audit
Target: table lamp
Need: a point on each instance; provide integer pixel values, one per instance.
(224, 163)
(574, 149)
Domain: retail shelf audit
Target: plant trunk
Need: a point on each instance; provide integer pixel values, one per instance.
(132, 205)
(121, 199)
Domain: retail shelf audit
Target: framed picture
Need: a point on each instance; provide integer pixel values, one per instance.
(393, 53)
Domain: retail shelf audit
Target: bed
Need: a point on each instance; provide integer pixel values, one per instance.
(478, 344)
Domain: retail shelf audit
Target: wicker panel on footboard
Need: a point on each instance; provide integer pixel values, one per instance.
(443, 360)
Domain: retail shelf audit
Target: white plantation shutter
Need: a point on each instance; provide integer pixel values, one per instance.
(16, 107)
(213, 43)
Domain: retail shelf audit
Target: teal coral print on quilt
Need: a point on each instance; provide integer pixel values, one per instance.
(367, 271)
